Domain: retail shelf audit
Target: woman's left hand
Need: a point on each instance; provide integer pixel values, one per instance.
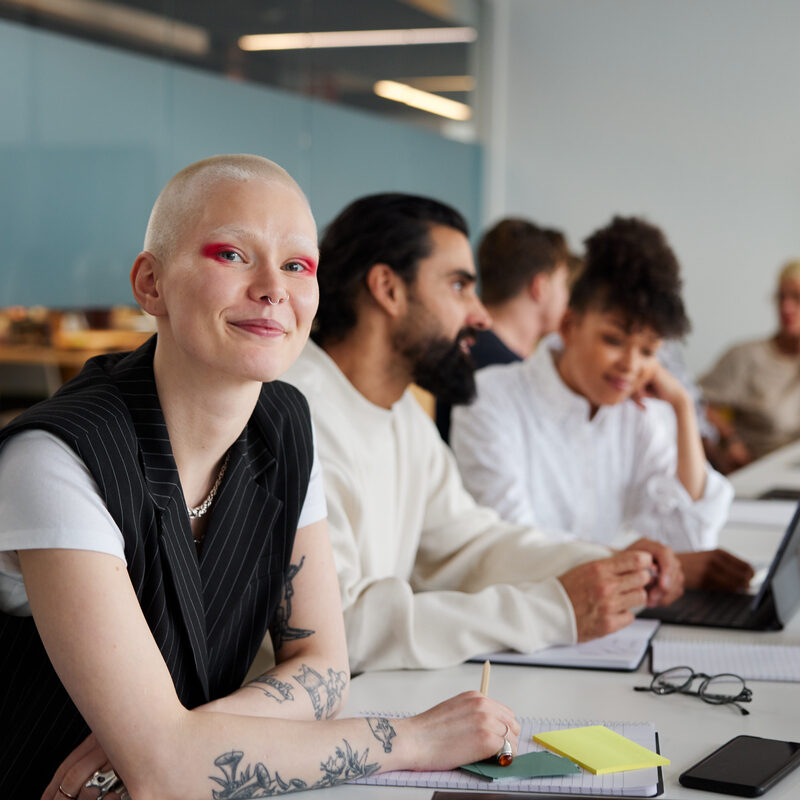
(78, 769)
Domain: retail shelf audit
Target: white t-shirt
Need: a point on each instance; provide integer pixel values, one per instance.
(62, 508)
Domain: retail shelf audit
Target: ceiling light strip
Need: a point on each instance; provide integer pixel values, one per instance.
(416, 98)
(132, 23)
(442, 83)
(374, 38)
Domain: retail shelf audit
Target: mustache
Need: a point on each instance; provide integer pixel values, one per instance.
(467, 332)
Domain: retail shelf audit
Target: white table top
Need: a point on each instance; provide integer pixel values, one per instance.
(778, 469)
(688, 728)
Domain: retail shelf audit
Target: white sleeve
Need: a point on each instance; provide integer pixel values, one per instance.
(489, 445)
(314, 506)
(477, 584)
(48, 499)
(658, 505)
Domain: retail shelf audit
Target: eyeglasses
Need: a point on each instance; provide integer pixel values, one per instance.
(718, 690)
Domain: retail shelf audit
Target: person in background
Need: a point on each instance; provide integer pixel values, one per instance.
(754, 389)
(523, 272)
(591, 435)
(163, 511)
(428, 577)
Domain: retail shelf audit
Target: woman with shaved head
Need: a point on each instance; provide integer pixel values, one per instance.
(163, 512)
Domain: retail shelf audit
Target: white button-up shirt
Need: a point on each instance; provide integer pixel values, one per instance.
(528, 447)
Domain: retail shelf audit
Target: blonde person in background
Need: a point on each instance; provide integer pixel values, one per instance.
(164, 510)
(591, 435)
(754, 389)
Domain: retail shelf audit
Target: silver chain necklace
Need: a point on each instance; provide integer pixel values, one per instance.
(200, 511)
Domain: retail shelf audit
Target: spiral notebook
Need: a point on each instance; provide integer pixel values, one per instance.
(751, 660)
(638, 783)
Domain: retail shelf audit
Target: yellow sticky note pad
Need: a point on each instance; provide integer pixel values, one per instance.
(599, 749)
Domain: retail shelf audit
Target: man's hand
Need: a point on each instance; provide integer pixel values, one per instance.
(715, 569)
(603, 592)
(667, 583)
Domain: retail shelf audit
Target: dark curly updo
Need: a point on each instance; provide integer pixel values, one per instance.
(630, 268)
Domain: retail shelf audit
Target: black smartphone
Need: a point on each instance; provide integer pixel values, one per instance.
(746, 766)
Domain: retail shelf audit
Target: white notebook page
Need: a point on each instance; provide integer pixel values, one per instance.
(752, 661)
(623, 650)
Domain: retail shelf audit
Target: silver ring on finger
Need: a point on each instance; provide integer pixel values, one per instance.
(62, 791)
(104, 781)
(505, 755)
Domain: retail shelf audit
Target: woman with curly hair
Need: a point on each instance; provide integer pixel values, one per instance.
(591, 435)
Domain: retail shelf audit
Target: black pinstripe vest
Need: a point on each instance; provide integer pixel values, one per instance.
(207, 615)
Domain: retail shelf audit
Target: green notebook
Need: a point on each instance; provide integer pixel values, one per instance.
(529, 765)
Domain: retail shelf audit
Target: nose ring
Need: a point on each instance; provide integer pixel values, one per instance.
(279, 301)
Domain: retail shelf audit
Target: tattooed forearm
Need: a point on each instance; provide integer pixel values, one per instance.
(344, 765)
(280, 629)
(316, 686)
(383, 731)
(273, 687)
(248, 783)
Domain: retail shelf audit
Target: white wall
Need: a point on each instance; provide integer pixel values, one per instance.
(684, 111)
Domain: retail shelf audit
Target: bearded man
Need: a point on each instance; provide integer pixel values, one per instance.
(429, 578)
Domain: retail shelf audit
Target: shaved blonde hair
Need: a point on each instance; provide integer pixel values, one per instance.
(790, 271)
(181, 199)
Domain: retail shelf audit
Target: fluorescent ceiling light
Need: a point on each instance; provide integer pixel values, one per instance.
(433, 103)
(375, 38)
(442, 83)
(123, 21)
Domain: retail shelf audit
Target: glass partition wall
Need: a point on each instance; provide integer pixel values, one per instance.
(410, 60)
(103, 101)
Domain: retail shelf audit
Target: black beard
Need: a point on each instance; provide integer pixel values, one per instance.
(441, 367)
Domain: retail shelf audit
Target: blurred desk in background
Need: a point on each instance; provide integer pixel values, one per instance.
(70, 351)
(30, 372)
(777, 470)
